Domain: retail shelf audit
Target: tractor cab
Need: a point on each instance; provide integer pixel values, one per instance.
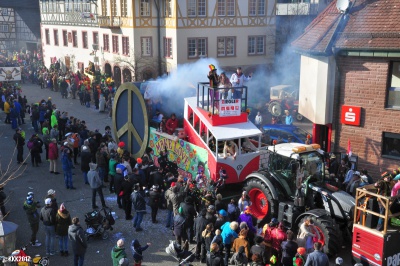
(220, 125)
(295, 163)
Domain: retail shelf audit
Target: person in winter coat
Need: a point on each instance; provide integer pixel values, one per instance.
(307, 233)
(118, 252)
(200, 224)
(239, 258)
(289, 249)
(215, 257)
(53, 156)
(20, 143)
(111, 170)
(53, 119)
(35, 150)
(96, 185)
(248, 219)
(46, 141)
(137, 252)
(278, 236)
(171, 124)
(63, 221)
(67, 167)
(170, 210)
(228, 235)
(78, 240)
(127, 189)
(179, 227)
(86, 159)
(118, 179)
(221, 219)
(260, 250)
(241, 241)
(48, 217)
(154, 201)
(189, 212)
(31, 209)
(139, 205)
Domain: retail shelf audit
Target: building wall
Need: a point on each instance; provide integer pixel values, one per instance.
(364, 82)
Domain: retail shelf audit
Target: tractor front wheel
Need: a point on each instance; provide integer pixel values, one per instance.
(262, 204)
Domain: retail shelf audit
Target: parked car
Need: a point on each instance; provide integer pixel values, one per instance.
(285, 133)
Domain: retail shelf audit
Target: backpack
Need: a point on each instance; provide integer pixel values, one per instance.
(30, 145)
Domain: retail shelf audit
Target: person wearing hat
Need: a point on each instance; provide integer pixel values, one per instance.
(118, 252)
(35, 150)
(63, 221)
(189, 212)
(260, 249)
(120, 150)
(67, 166)
(31, 209)
(237, 79)
(248, 219)
(76, 235)
(96, 185)
(19, 142)
(338, 261)
(51, 194)
(48, 217)
(299, 259)
(154, 201)
(112, 163)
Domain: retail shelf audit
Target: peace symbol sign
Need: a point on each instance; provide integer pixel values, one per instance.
(130, 121)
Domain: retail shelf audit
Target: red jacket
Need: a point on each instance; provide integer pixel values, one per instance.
(171, 125)
(53, 151)
(278, 236)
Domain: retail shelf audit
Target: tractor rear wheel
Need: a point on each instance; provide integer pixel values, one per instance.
(328, 231)
(262, 203)
(275, 108)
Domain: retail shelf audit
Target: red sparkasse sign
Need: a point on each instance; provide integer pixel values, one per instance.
(351, 115)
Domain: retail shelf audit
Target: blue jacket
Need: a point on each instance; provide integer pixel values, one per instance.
(317, 258)
(66, 162)
(227, 234)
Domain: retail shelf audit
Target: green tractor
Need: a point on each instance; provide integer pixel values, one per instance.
(292, 187)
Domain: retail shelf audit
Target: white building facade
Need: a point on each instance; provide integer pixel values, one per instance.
(142, 39)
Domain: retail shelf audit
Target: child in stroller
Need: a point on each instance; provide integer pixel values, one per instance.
(97, 224)
(182, 254)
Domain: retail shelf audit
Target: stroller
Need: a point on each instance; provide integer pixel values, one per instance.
(97, 224)
(182, 254)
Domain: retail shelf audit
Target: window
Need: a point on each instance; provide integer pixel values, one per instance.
(197, 47)
(391, 145)
(114, 11)
(4, 28)
(65, 37)
(393, 99)
(95, 38)
(74, 38)
(106, 42)
(256, 7)
(84, 40)
(167, 8)
(168, 47)
(147, 46)
(104, 10)
(226, 7)
(196, 8)
(256, 45)
(124, 8)
(125, 45)
(47, 36)
(115, 44)
(55, 32)
(4, 12)
(226, 46)
(145, 8)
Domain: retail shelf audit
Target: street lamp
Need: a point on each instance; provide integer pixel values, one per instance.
(95, 47)
(8, 237)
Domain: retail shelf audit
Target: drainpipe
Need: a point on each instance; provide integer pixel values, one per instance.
(157, 4)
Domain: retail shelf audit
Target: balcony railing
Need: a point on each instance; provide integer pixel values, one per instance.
(109, 22)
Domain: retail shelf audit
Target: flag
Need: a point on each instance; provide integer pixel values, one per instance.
(349, 153)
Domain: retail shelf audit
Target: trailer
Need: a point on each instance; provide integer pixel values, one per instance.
(370, 246)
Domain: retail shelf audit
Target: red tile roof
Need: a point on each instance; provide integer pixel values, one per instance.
(368, 25)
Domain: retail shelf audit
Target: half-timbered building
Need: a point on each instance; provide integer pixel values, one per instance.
(142, 39)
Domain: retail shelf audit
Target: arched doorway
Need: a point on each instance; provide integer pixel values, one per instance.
(127, 75)
(107, 70)
(147, 74)
(117, 76)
